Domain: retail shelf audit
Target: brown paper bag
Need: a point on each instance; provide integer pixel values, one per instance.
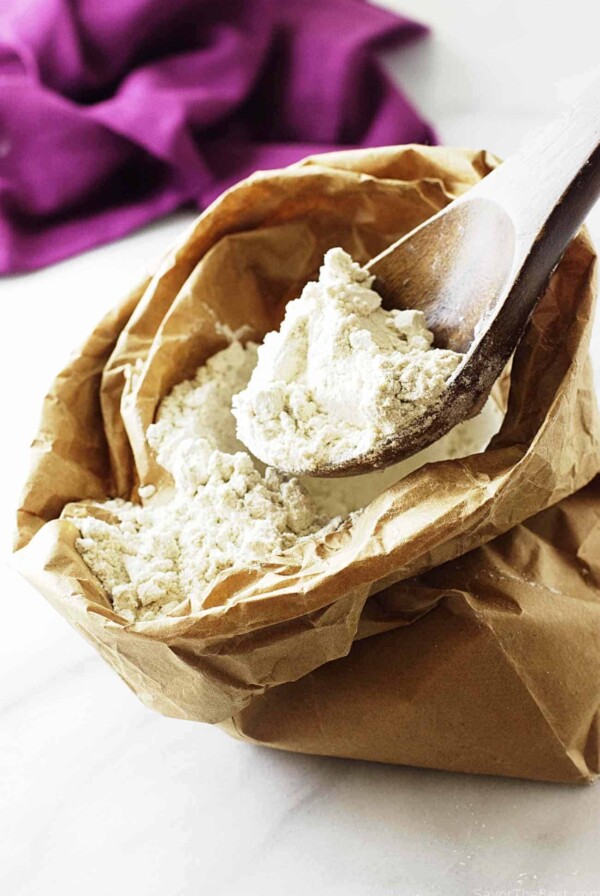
(455, 637)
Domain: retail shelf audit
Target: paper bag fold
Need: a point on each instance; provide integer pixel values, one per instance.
(503, 677)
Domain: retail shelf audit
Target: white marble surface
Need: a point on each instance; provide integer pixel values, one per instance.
(97, 794)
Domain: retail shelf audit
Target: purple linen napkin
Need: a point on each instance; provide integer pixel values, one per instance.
(115, 112)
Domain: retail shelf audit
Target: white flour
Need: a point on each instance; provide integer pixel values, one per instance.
(222, 512)
(341, 375)
(225, 511)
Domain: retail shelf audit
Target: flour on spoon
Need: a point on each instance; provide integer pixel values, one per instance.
(341, 375)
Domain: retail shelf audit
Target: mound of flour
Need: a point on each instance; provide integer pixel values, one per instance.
(341, 374)
(225, 510)
(222, 512)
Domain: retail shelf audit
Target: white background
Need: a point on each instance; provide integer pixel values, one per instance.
(98, 794)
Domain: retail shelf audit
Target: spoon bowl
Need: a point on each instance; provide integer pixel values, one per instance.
(478, 268)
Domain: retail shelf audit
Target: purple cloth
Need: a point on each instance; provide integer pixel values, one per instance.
(115, 112)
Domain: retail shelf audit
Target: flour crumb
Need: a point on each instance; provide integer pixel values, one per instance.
(341, 375)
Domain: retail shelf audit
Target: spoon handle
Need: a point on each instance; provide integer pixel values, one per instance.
(548, 187)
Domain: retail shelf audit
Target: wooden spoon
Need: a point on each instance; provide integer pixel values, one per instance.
(478, 268)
